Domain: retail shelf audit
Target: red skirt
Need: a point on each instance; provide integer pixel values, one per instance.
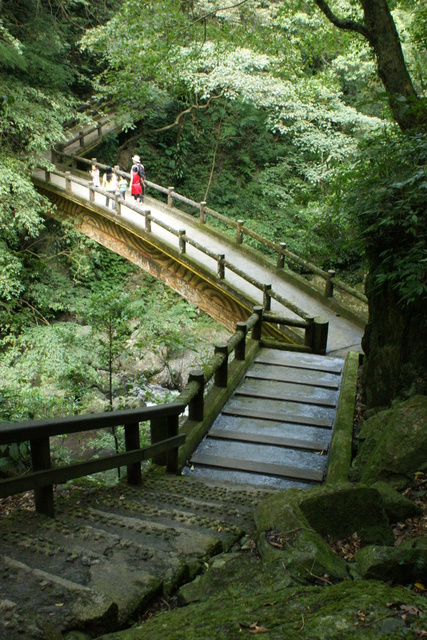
(136, 188)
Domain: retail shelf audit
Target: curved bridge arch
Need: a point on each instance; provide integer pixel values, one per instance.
(180, 272)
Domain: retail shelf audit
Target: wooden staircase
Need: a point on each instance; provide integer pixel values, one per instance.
(276, 428)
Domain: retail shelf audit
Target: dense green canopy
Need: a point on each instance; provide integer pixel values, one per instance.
(279, 110)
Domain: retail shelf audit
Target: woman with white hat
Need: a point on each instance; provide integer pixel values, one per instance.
(140, 170)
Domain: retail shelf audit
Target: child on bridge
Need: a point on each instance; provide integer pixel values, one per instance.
(109, 183)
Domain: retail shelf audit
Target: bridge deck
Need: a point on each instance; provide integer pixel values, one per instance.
(276, 428)
(344, 335)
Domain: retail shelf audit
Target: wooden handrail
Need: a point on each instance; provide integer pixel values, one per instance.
(279, 248)
(43, 476)
(140, 209)
(164, 420)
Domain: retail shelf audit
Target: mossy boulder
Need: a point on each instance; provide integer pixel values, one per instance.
(292, 525)
(398, 565)
(239, 608)
(393, 444)
(342, 510)
(304, 519)
(221, 573)
(397, 507)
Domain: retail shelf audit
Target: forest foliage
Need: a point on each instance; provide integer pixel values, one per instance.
(263, 108)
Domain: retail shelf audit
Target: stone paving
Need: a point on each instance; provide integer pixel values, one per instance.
(109, 551)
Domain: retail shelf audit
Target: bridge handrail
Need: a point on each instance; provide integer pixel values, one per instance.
(43, 476)
(329, 276)
(183, 238)
(164, 420)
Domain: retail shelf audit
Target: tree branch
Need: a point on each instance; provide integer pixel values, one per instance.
(213, 163)
(343, 23)
(183, 113)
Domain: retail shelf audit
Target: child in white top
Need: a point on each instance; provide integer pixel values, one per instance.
(94, 172)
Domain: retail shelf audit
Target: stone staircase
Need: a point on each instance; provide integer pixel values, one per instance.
(109, 552)
(276, 428)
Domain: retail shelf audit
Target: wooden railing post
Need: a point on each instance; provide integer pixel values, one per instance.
(40, 460)
(195, 407)
(81, 139)
(239, 232)
(159, 432)
(59, 151)
(91, 193)
(203, 212)
(221, 374)
(74, 161)
(240, 351)
(308, 336)
(320, 335)
(181, 240)
(221, 266)
(172, 455)
(281, 256)
(117, 204)
(257, 328)
(329, 285)
(132, 442)
(68, 180)
(47, 175)
(148, 223)
(170, 196)
(267, 297)
(99, 127)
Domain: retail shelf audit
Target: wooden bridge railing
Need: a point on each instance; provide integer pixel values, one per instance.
(182, 239)
(164, 419)
(283, 254)
(38, 433)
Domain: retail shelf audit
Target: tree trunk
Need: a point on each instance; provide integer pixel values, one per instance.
(392, 70)
(395, 351)
(379, 29)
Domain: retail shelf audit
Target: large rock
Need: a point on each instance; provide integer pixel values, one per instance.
(397, 507)
(398, 565)
(393, 444)
(340, 511)
(292, 526)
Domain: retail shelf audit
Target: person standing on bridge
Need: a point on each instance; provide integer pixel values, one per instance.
(123, 185)
(109, 183)
(141, 172)
(135, 184)
(94, 172)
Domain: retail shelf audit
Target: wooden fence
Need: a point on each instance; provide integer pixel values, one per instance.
(183, 239)
(164, 420)
(204, 212)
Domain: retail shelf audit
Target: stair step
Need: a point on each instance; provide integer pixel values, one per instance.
(277, 416)
(40, 604)
(283, 471)
(260, 438)
(294, 376)
(309, 361)
(254, 391)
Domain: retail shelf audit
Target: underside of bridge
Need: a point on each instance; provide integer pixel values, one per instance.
(178, 271)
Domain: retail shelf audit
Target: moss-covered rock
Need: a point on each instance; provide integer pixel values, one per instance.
(398, 565)
(335, 510)
(393, 444)
(341, 511)
(240, 607)
(397, 507)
